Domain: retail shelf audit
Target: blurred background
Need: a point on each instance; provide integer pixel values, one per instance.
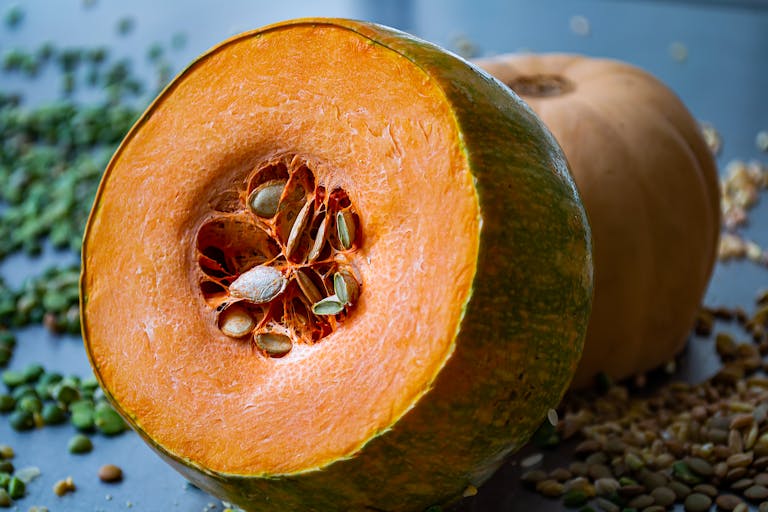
(96, 53)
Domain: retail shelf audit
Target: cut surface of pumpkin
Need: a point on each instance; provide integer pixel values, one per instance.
(292, 264)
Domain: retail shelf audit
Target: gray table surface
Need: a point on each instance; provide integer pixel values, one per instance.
(723, 80)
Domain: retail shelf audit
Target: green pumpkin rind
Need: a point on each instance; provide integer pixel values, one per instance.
(521, 335)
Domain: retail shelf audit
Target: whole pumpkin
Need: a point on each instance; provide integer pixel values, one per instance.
(333, 267)
(649, 184)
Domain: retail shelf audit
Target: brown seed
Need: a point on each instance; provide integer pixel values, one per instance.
(630, 490)
(735, 473)
(681, 490)
(580, 484)
(560, 474)
(587, 447)
(717, 436)
(709, 490)
(699, 466)
(763, 507)
(735, 442)
(742, 420)
(760, 462)
(579, 468)
(641, 501)
(761, 478)
(740, 460)
(697, 502)
(597, 458)
(110, 473)
(742, 483)
(655, 508)
(652, 479)
(756, 493)
(550, 488)
(720, 469)
(599, 471)
(727, 501)
(663, 496)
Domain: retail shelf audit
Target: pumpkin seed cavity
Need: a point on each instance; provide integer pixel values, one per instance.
(276, 268)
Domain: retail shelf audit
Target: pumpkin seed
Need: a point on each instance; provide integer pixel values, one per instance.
(274, 344)
(259, 285)
(346, 228)
(265, 199)
(328, 306)
(22, 420)
(307, 287)
(346, 288)
(108, 421)
(297, 230)
(16, 488)
(319, 242)
(79, 444)
(53, 414)
(235, 321)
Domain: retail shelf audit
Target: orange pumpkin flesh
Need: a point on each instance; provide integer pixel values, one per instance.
(649, 186)
(471, 309)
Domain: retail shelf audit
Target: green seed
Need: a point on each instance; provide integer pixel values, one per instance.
(30, 404)
(346, 287)
(328, 306)
(8, 340)
(346, 228)
(22, 420)
(5, 356)
(83, 419)
(6, 466)
(574, 498)
(65, 393)
(80, 444)
(16, 488)
(265, 199)
(13, 378)
(109, 422)
(7, 403)
(14, 16)
(53, 414)
(5, 479)
(23, 390)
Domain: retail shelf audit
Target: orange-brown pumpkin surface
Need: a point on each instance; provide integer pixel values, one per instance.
(649, 185)
(333, 267)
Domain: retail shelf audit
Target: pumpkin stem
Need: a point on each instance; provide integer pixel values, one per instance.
(541, 86)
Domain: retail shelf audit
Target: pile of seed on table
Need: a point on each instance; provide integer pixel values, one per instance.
(699, 445)
(52, 155)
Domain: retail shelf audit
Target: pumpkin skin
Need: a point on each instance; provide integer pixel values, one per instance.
(408, 401)
(649, 185)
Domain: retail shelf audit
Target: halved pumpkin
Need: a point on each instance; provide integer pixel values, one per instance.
(333, 267)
